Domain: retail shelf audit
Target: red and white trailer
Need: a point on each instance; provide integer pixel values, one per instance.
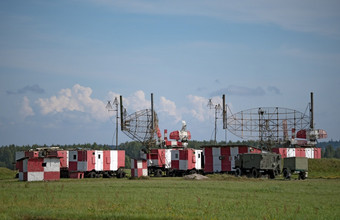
(186, 161)
(96, 163)
(139, 168)
(313, 153)
(34, 166)
(221, 158)
(158, 161)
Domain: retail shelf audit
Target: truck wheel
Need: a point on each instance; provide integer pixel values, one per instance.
(286, 174)
(255, 173)
(272, 174)
(302, 175)
(238, 172)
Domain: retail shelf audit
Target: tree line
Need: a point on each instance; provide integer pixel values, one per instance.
(132, 149)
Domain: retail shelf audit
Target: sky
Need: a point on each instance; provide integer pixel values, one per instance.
(61, 61)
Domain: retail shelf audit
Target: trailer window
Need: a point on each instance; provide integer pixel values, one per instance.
(199, 156)
(176, 156)
(74, 157)
(98, 156)
(43, 164)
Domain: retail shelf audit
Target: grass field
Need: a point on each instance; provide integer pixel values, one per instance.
(219, 197)
(6, 173)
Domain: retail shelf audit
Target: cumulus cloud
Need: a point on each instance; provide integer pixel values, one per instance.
(240, 91)
(199, 106)
(26, 110)
(76, 99)
(34, 89)
(136, 102)
(169, 107)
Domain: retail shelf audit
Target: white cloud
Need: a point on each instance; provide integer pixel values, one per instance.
(169, 107)
(76, 99)
(200, 109)
(136, 102)
(26, 110)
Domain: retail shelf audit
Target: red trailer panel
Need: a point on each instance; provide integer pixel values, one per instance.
(63, 155)
(121, 158)
(317, 153)
(35, 165)
(208, 160)
(225, 156)
(51, 176)
(222, 158)
(107, 160)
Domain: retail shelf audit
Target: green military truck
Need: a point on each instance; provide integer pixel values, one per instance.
(295, 165)
(257, 164)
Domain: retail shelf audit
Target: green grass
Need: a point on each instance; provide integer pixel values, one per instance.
(219, 197)
(6, 173)
(223, 197)
(324, 168)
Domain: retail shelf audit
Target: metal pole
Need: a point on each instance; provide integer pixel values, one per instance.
(117, 126)
(152, 116)
(215, 122)
(121, 113)
(224, 112)
(311, 111)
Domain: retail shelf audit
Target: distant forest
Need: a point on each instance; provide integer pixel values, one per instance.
(330, 149)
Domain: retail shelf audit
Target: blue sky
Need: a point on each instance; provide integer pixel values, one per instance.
(60, 61)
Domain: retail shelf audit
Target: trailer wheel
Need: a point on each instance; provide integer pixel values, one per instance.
(287, 174)
(238, 172)
(120, 173)
(93, 174)
(158, 173)
(172, 174)
(255, 173)
(192, 172)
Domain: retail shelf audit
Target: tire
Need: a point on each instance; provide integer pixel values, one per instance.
(192, 172)
(255, 173)
(302, 175)
(93, 174)
(158, 173)
(120, 174)
(272, 174)
(287, 174)
(238, 172)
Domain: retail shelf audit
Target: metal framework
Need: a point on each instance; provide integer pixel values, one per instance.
(141, 126)
(267, 124)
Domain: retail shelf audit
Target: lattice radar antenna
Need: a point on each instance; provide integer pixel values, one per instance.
(272, 125)
(267, 124)
(141, 126)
